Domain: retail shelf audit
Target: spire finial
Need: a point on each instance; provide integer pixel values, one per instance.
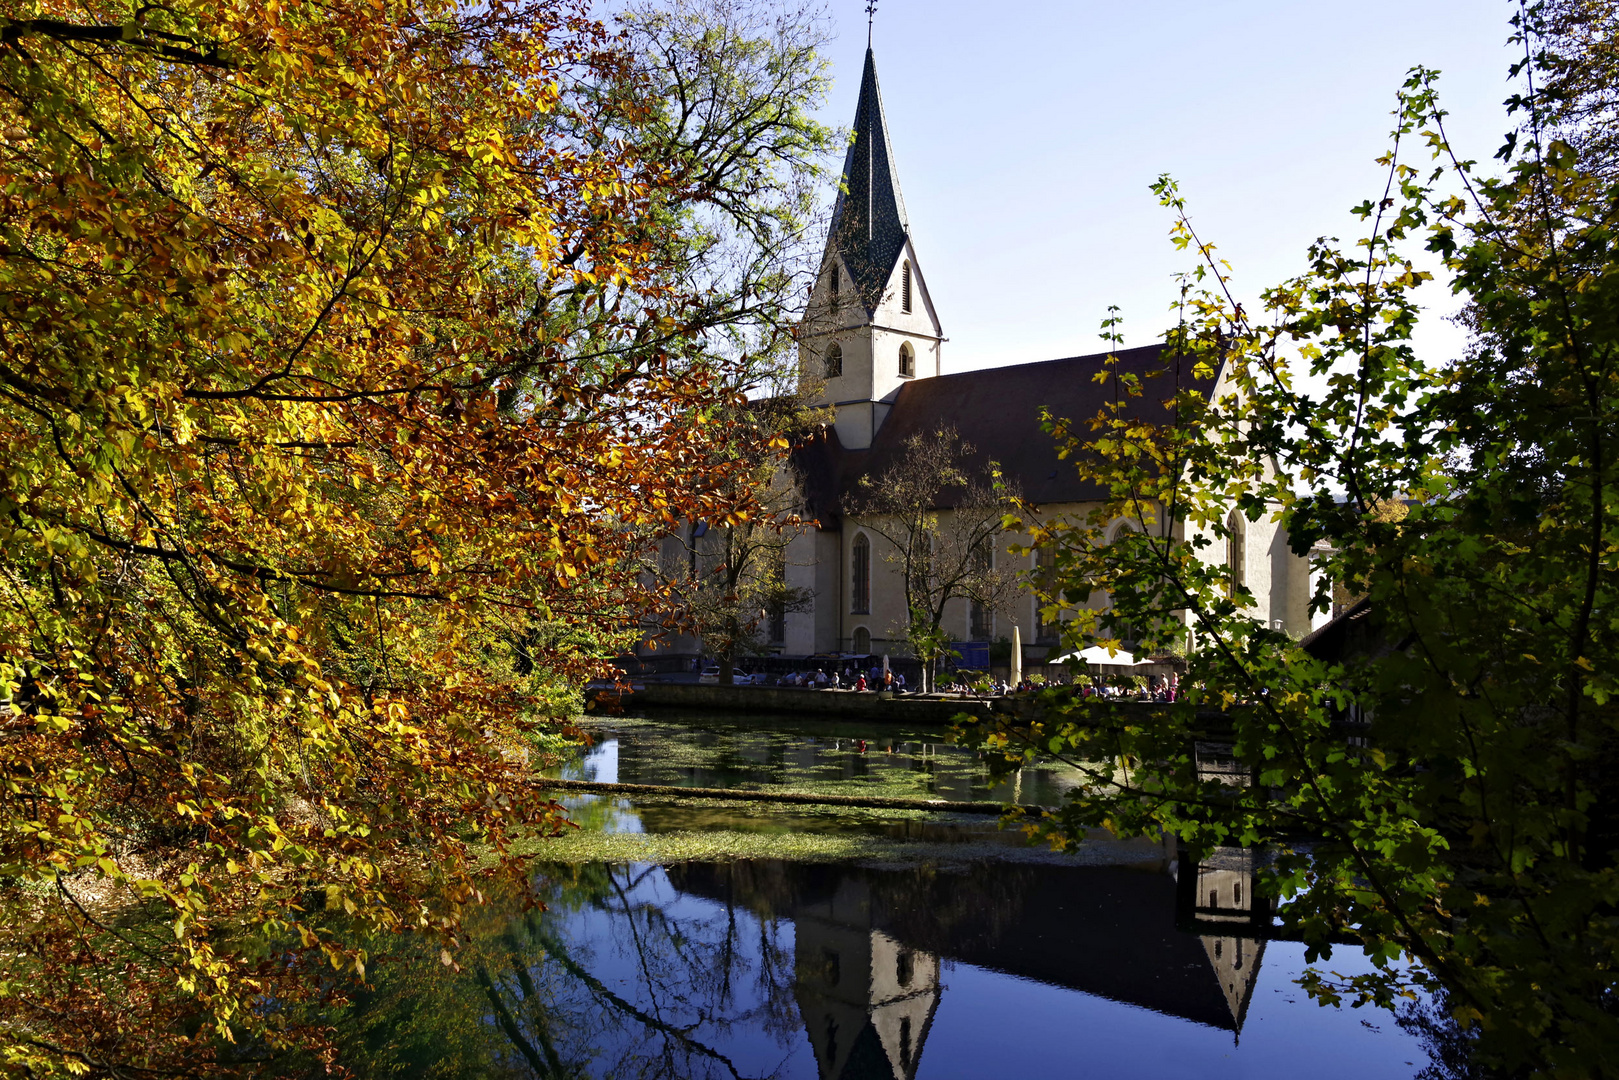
(871, 15)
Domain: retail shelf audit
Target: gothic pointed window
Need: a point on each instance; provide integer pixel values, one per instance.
(1236, 551)
(776, 606)
(862, 641)
(981, 620)
(905, 288)
(834, 360)
(860, 576)
(907, 361)
(1045, 573)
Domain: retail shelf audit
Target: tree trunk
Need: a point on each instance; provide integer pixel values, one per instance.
(728, 657)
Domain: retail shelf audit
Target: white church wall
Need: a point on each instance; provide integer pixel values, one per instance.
(800, 572)
(829, 596)
(1278, 580)
(922, 320)
(1290, 586)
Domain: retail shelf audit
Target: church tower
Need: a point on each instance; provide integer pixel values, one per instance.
(870, 326)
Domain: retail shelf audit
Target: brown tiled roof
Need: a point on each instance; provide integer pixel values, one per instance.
(997, 411)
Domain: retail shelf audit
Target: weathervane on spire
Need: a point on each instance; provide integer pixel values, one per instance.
(871, 15)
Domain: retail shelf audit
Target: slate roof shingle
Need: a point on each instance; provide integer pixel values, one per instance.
(869, 228)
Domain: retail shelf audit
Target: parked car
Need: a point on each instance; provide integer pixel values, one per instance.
(711, 675)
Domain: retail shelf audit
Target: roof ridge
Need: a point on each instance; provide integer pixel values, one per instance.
(1041, 363)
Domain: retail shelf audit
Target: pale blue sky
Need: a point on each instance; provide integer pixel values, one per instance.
(1027, 133)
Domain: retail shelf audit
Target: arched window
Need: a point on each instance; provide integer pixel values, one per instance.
(776, 607)
(1236, 551)
(1045, 571)
(907, 360)
(836, 289)
(860, 576)
(980, 619)
(905, 288)
(862, 641)
(980, 622)
(834, 360)
(1123, 528)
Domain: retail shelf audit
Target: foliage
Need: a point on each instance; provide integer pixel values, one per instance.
(728, 582)
(940, 515)
(1577, 62)
(734, 80)
(353, 358)
(1440, 782)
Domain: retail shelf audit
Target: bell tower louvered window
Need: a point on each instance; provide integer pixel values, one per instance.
(835, 289)
(905, 288)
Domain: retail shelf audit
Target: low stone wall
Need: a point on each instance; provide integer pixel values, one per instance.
(831, 704)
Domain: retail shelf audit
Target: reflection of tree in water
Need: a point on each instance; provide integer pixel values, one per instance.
(1449, 1046)
(701, 975)
(613, 980)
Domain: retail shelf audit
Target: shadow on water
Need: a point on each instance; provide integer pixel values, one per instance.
(860, 970)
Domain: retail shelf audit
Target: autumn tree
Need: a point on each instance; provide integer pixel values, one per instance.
(727, 583)
(349, 371)
(940, 513)
(733, 80)
(1446, 790)
(1576, 58)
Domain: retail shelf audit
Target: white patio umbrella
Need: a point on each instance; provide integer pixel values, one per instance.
(1017, 655)
(1096, 656)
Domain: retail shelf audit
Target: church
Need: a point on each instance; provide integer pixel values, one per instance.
(871, 345)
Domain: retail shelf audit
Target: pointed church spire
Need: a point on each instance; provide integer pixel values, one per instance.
(869, 228)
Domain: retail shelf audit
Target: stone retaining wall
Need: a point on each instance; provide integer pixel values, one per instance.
(832, 704)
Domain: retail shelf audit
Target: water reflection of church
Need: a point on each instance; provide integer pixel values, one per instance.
(870, 945)
(867, 999)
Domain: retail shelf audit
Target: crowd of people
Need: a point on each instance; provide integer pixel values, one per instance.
(1160, 688)
(1164, 688)
(850, 678)
(1157, 688)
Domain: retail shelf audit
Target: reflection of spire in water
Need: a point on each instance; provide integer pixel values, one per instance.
(867, 1001)
(1223, 893)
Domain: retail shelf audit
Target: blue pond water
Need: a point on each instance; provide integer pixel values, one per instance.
(1121, 963)
(767, 969)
